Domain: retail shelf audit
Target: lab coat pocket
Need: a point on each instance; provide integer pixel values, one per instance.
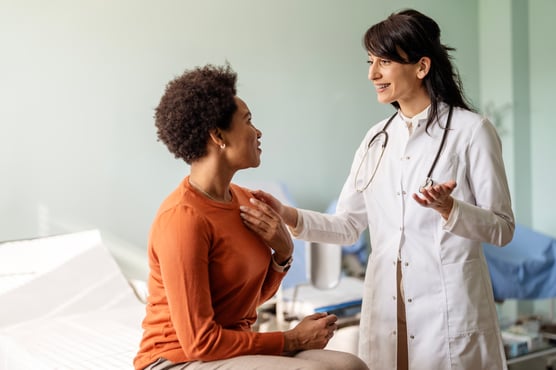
(447, 168)
(467, 308)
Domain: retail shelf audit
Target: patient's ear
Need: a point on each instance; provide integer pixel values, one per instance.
(217, 138)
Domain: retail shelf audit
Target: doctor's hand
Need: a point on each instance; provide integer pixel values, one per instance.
(268, 224)
(313, 332)
(438, 197)
(288, 214)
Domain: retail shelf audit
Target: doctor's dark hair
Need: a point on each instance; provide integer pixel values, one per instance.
(407, 36)
(193, 104)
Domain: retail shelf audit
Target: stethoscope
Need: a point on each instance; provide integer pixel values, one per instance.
(428, 181)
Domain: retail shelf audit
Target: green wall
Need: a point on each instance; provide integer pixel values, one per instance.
(80, 80)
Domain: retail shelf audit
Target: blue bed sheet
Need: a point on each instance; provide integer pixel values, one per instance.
(525, 268)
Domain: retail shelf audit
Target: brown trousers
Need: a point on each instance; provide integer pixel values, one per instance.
(402, 328)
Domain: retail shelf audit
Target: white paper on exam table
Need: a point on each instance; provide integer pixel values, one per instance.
(65, 304)
(60, 275)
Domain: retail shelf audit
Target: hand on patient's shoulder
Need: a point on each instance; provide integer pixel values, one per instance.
(287, 213)
(268, 199)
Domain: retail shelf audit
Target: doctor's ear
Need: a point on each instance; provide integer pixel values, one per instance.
(424, 65)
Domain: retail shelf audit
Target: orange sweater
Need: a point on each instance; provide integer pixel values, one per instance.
(208, 275)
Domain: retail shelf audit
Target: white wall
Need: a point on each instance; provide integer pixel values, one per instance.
(80, 80)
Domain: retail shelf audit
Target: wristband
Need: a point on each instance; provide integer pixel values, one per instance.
(284, 266)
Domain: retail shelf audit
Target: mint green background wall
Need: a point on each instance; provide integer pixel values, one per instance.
(542, 102)
(543, 129)
(80, 80)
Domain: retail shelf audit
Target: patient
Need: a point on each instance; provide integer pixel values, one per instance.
(208, 271)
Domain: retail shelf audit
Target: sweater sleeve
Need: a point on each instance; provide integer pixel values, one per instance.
(271, 284)
(184, 240)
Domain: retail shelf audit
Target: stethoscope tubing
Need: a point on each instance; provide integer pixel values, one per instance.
(428, 181)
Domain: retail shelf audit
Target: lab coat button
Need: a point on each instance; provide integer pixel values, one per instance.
(407, 263)
(393, 332)
(398, 193)
(408, 157)
(404, 193)
(412, 336)
(410, 300)
(394, 297)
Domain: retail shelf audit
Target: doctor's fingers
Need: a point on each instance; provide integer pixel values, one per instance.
(449, 185)
(427, 197)
(266, 208)
(268, 199)
(438, 192)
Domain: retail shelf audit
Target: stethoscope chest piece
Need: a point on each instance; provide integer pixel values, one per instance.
(427, 184)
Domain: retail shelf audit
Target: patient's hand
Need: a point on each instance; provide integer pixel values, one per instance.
(313, 332)
(267, 223)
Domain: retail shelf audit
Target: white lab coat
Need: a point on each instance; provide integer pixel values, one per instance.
(451, 316)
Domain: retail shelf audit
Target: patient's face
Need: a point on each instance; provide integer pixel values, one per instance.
(242, 139)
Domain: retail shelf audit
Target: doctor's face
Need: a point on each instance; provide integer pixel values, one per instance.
(394, 81)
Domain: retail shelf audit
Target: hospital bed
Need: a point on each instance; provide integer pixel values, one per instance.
(65, 304)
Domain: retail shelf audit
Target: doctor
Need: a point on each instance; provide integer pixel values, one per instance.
(429, 183)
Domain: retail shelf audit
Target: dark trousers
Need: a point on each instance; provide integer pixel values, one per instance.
(402, 328)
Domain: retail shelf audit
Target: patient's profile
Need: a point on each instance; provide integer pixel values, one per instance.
(209, 270)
